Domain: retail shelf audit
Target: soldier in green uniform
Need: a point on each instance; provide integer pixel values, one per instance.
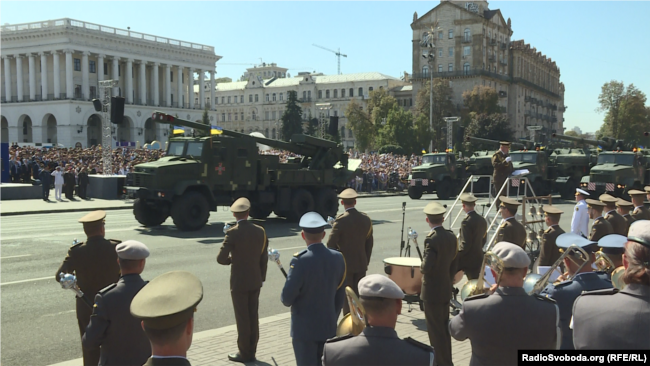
(600, 227)
(95, 265)
(510, 229)
(440, 247)
(624, 207)
(619, 225)
(166, 306)
(640, 212)
(502, 166)
(244, 249)
(549, 252)
(352, 236)
(473, 233)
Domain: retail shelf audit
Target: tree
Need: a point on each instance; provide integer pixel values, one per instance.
(482, 99)
(571, 133)
(360, 124)
(398, 130)
(292, 117)
(442, 107)
(488, 126)
(626, 113)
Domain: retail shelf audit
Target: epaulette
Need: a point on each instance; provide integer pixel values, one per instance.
(341, 215)
(476, 297)
(451, 231)
(298, 254)
(107, 288)
(114, 241)
(607, 291)
(341, 338)
(418, 344)
(548, 230)
(563, 283)
(504, 224)
(76, 245)
(540, 297)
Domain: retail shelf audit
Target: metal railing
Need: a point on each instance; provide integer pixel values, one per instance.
(470, 182)
(67, 22)
(466, 39)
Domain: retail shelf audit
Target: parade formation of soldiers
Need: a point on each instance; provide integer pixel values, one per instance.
(132, 321)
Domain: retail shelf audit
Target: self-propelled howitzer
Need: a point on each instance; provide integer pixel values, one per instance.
(200, 173)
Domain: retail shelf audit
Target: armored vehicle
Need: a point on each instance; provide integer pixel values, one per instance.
(440, 173)
(200, 173)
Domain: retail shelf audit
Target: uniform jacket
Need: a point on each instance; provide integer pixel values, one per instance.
(94, 263)
(512, 231)
(440, 249)
(112, 326)
(549, 252)
(376, 346)
(352, 235)
(245, 250)
(565, 293)
(498, 325)
(314, 290)
(641, 213)
(619, 225)
(629, 220)
(83, 179)
(612, 319)
(172, 361)
(580, 219)
(473, 233)
(45, 177)
(58, 177)
(600, 228)
(502, 169)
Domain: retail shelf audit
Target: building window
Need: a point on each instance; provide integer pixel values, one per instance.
(235, 116)
(254, 117)
(351, 92)
(466, 50)
(361, 92)
(281, 96)
(105, 68)
(216, 100)
(274, 97)
(93, 92)
(309, 95)
(228, 100)
(241, 99)
(451, 33)
(327, 94)
(93, 67)
(257, 98)
(342, 93)
(171, 76)
(451, 52)
(320, 94)
(223, 100)
(242, 116)
(304, 95)
(119, 70)
(440, 52)
(223, 117)
(273, 115)
(266, 115)
(369, 89)
(229, 117)
(77, 64)
(250, 98)
(235, 98)
(439, 67)
(467, 34)
(466, 68)
(451, 67)
(439, 35)
(336, 93)
(425, 70)
(268, 98)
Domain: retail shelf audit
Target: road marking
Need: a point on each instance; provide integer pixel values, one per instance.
(16, 256)
(59, 313)
(300, 247)
(30, 280)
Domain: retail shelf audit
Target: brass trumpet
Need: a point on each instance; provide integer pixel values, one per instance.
(535, 283)
(606, 264)
(354, 321)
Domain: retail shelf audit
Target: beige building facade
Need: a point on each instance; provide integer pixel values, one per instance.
(471, 45)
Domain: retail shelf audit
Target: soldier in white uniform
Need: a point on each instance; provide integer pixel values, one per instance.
(580, 220)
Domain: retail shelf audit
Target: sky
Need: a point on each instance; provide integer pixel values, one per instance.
(592, 42)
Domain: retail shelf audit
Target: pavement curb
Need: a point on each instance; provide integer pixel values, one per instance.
(80, 209)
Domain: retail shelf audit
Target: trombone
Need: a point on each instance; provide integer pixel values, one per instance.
(477, 286)
(605, 264)
(535, 283)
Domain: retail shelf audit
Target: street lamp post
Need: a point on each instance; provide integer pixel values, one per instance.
(430, 57)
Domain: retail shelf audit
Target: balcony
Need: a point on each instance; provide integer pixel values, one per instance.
(466, 39)
(503, 62)
(493, 42)
(492, 58)
(503, 46)
(307, 100)
(459, 73)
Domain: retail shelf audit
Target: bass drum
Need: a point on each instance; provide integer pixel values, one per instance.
(405, 272)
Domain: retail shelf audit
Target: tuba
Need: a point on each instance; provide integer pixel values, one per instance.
(535, 283)
(477, 287)
(354, 321)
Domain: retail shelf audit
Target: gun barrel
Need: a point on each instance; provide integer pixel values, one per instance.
(479, 140)
(582, 140)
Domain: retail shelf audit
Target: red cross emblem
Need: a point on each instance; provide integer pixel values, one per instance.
(220, 168)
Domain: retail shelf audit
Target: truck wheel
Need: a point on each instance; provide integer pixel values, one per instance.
(260, 211)
(190, 211)
(327, 203)
(415, 192)
(444, 190)
(147, 215)
(301, 203)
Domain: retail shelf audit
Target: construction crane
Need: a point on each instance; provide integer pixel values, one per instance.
(338, 54)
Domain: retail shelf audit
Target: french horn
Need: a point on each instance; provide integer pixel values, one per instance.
(354, 321)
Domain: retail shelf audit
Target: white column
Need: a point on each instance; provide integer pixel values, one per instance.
(156, 89)
(179, 86)
(190, 88)
(32, 78)
(19, 77)
(129, 81)
(85, 82)
(115, 75)
(56, 70)
(201, 91)
(7, 60)
(212, 87)
(100, 69)
(143, 82)
(69, 86)
(43, 75)
(168, 86)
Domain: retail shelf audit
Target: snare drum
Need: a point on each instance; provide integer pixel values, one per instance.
(405, 272)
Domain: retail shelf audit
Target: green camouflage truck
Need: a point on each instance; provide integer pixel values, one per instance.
(440, 173)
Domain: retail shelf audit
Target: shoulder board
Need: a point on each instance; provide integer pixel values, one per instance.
(607, 291)
(577, 208)
(451, 231)
(341, 338)
(413, 342)
(298, 254)
(114, 241)
(505, 223)
(107, 288)
(544, 298)
(476, 297)
(562, 284)
(548, 230)
(76, 245)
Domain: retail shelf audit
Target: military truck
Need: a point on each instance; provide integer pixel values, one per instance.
(440, 173)
(200, 173)
(480, 162)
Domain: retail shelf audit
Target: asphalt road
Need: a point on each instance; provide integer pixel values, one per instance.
(38, 320)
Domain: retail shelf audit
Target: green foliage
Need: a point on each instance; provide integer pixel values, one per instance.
(442, 107)
(361, 125)
(482, 100)
(292, 117)
(488, 126)
(571, 133)
(626, 113)
(392, 149)
(398, 130)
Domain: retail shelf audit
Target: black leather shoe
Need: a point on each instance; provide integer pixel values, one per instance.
(238, 358)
